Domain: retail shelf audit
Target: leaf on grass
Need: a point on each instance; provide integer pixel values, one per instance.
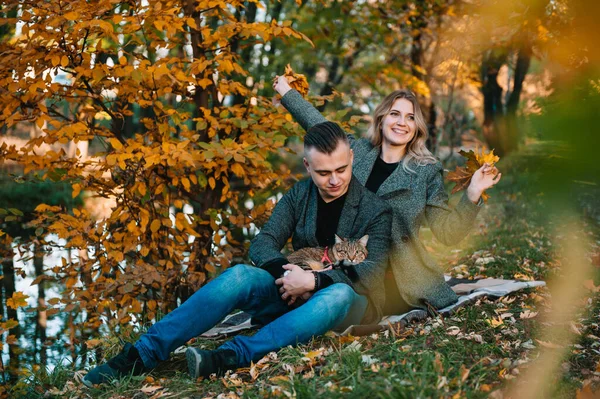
(369, 360)
(495, 322)
(150, 389)
(454, 330)
(464, 373)
(91, 343)
(528, 314)
(312, 355)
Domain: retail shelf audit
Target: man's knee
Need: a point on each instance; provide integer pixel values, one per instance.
(339, 293)
(246, 274)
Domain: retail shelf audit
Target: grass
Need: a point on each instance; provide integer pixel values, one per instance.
(480, 350)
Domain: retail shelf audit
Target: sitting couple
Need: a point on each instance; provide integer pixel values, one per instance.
(381, 186)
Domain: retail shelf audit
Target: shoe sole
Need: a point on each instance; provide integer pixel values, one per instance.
(193, 361)
(87, 383)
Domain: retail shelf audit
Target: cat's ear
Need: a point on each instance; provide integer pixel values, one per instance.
(363, 240)
(338, 240)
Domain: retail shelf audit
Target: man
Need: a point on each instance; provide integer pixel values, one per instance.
(312, 212)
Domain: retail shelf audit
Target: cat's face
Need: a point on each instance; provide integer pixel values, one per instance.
(353, 251)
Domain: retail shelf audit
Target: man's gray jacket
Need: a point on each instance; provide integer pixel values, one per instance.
(295, 215)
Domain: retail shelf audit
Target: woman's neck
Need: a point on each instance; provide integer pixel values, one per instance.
(392, 153)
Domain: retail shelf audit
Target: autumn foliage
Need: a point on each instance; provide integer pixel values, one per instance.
(180, 185)
(462, 175)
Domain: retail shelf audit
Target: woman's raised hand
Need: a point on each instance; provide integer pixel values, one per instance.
(281, 85)
(485, 177)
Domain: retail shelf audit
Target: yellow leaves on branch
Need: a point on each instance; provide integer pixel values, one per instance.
(462, 175)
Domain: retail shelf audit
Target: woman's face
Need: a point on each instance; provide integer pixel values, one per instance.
(399, 126)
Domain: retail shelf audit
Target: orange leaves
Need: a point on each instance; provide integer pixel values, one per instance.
(297, 81)
(17, 300)
(461, 176)
(166, 199)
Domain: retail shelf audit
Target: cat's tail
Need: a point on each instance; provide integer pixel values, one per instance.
(314, 264)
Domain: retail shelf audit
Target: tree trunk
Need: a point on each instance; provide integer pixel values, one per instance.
(492, 99)
(8, 282)
(42, 319)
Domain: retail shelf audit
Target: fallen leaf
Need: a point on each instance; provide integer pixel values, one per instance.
(495, 322)
(150, 389)
(464, 373)
(369, 360)
(528, 314)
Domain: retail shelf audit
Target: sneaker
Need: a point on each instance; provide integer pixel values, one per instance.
(204, 363)
(127, 362)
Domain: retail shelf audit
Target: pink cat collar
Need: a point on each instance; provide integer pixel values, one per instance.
(326, 257)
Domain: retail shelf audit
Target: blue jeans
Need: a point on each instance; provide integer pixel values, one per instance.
(253, 290)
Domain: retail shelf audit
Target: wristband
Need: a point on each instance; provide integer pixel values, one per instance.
(317, 281)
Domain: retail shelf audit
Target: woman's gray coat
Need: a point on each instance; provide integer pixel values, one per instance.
(414, 197)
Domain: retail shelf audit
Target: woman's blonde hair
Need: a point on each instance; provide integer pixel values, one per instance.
(416, 151)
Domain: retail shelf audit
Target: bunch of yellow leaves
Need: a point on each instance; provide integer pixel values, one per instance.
(462, 174)
(296, 80)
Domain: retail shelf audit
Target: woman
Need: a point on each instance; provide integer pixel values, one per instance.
(394, 163)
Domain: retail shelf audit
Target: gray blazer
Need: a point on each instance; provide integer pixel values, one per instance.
(295, 215)
(414, 198)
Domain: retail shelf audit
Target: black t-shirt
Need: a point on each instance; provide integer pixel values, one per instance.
(381, 171)
(328, 218)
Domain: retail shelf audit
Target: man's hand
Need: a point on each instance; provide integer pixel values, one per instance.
(281, 85)
(296, 283)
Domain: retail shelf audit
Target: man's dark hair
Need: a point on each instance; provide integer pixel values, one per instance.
(324, 137)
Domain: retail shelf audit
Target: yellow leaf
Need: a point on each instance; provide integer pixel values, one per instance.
(71, 16)
(64, 61)
(191, 22)
(488, 158)
(55, 60)
(155, 225)
(238, 170)
(144, 218)
(76, 190)
(115, 143)
(123, 60)
(17, 300)
(186, 183)
(204, 82)
(495, 322)
(212, 183)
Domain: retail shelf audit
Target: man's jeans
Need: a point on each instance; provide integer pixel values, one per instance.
(254, 291)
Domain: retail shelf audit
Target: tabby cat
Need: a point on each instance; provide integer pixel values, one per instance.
(344, 254)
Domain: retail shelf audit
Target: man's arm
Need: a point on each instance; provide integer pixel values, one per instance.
(265, 248)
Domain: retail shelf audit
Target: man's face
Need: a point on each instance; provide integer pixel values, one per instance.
(331, 173)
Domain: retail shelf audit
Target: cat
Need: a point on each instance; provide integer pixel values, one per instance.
(343, 255)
